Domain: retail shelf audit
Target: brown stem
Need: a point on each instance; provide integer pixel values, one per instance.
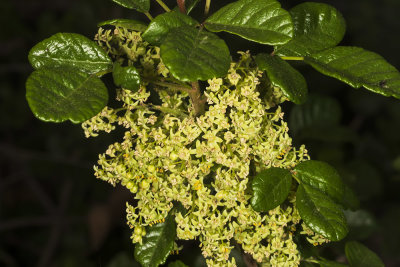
(249, 261)
(181, 5)
(198, 100)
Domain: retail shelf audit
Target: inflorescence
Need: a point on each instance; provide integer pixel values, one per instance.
(169, 156)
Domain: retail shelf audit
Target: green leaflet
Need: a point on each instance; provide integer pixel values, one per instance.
(65, 93)
(162, 24)
(139, 5)
(177, 264)
(157, 244)
(317, 26)
(262, 21)
(130, 24)
(270, 188)
(193, 54)
(359, 255)
(321, 176)
(358, 68)
(71, 50)
(283, 75)
(126, 77)
(321, 213)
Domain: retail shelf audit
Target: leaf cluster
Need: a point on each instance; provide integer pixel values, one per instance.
(67, 85)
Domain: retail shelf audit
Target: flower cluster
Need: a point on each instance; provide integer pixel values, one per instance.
(169, 156)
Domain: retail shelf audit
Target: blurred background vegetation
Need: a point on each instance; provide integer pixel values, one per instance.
(53, 212)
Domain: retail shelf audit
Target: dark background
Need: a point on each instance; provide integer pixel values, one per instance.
(53, 212)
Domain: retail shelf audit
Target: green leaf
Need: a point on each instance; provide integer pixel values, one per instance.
(193, 54)
(139, 5)
(317, 26)
(157, 244)
(130, 24)
(177, 264)
(69, 49)
(359, 255)
(283, 75)
(358, 68)
(322, 176)
(65, 93)
(321, 213)
(190, 4)
(262, 21)
(162, 24)
(270, 188)
(126, 77)
(318, 112)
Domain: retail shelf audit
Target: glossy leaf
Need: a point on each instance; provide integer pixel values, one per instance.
(317, 26)
(270, 188)
(61, 94)
(190, 4)
(157, 244)
(126, 77)
(71, 50)
(321, 213)
(283, 75)
(321, 176)
(177, 264)
(193, 54)
(162, 24)
(318, 112)
(139, 5)
(262, 21)
(130, 24)
(359, 255)
(358, 68)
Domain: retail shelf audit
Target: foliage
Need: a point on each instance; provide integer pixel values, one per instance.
(207, 132)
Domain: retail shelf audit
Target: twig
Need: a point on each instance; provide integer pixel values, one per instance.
(148, 16)
(164, 6)
(207, 7)
(173, 86)
(181, 5)
(249, 261)
(198, 100)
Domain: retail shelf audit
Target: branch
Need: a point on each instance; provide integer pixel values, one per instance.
(181, 5)
(198, 100)
(249, 261)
